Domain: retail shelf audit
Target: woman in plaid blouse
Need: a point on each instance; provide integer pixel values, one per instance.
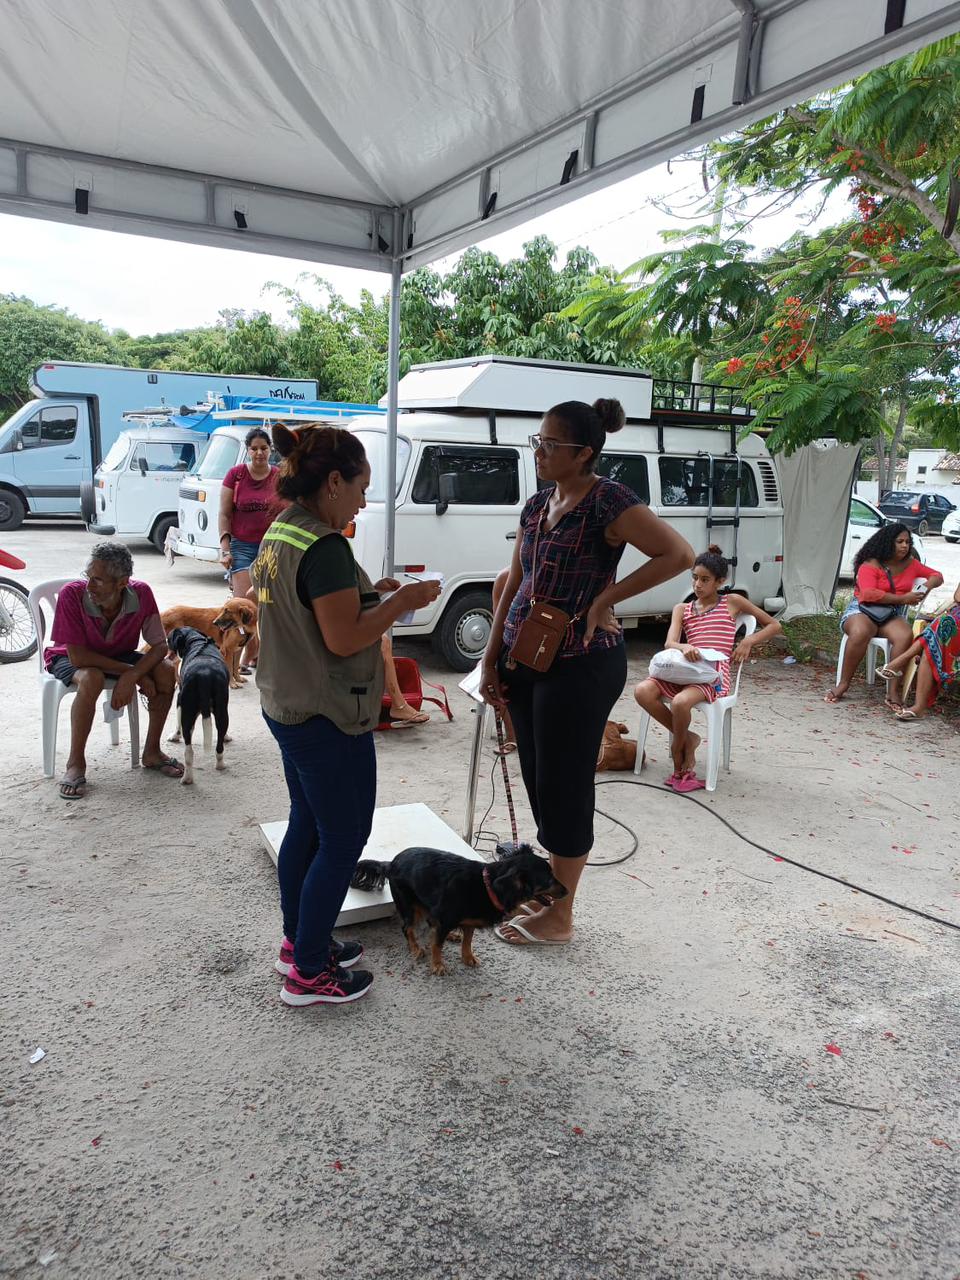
(584, 523)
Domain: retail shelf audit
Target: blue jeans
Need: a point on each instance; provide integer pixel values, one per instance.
(332, 780)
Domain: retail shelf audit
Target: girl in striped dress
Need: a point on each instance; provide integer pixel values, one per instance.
(709, 621)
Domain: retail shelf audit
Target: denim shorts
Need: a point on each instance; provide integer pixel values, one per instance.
(854, 607)
(244, 554)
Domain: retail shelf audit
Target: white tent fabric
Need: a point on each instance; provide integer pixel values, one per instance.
(815, 483)
(367, 132)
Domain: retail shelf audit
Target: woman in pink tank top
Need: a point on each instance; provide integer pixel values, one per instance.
(709, 621)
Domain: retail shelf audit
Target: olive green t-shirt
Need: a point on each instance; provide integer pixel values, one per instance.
(326, 567)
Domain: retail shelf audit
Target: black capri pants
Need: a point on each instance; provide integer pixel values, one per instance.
(558, 720)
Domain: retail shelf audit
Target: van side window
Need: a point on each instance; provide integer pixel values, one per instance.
(488, 477)
(685, 482)
(30, 432)
(627, 468)
(164, 456)
(58, 426)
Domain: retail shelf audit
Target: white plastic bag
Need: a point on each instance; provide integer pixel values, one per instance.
(672, 666)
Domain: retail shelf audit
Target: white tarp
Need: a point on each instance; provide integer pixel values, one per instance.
(371, 131)
(815, 483)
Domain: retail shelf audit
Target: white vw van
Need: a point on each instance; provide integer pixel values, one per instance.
(136, 487)
(465, 469)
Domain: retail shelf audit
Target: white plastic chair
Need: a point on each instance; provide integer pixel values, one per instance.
(719, 716)
(53, 691)
(878, 647)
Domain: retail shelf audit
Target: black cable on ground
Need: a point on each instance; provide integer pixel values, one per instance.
(802, 866)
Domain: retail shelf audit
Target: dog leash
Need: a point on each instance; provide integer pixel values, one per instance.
(501, 745)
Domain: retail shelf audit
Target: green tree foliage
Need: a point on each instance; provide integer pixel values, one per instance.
(30, 335)
(846, 332)
(481, 306)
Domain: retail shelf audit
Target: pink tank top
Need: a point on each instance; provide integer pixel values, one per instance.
(715, 629)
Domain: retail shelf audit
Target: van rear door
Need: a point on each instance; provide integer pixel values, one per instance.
(53, 456)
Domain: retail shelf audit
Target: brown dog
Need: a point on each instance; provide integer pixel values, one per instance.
(616, 751)
(230, 628)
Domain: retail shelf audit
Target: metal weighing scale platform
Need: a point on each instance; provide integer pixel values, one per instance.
(399, 826)
(395, 827)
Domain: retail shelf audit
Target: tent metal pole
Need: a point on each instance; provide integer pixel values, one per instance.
(393, 378)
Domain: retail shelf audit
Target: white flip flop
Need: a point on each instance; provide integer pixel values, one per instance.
(531, 941)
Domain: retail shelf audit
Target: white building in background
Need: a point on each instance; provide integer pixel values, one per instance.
(933, 469)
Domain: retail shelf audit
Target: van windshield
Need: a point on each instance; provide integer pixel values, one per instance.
(375, 447)
(222, 453)
(116, 453)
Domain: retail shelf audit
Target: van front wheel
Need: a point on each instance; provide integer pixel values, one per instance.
(464, 630)
(160, 531)
(12, 510)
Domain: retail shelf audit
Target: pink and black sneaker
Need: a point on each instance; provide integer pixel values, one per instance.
(346, 954)
(334, 985)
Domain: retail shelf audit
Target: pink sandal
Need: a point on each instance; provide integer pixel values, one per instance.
(688, 781)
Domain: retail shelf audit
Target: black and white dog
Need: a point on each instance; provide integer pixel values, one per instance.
(204, 691)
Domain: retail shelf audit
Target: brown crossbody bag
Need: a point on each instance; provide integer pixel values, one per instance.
(541, 632)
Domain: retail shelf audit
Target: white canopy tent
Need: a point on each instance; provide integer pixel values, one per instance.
(383, 134)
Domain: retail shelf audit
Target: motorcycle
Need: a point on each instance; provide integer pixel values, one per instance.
(18, 635)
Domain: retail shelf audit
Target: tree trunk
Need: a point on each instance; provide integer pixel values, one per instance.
(880, 452)
(891, 475)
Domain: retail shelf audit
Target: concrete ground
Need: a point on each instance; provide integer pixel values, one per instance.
(741, 1068)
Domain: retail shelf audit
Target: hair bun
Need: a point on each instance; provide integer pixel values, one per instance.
(610, 413)
(715, 550)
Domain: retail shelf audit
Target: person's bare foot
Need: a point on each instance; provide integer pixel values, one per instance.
(405, 714)
(544, 925)
(690, 752)
(836, 694)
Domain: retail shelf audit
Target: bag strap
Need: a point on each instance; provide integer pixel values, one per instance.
(501, 744)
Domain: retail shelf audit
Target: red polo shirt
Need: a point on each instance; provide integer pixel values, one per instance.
(77, 620)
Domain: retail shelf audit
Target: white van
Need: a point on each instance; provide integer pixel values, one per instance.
(137, 486)
(465, 469)
(197, 530)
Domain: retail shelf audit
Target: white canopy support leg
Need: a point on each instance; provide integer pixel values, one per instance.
(393, 378)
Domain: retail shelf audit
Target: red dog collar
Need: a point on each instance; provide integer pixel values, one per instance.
(490, 894)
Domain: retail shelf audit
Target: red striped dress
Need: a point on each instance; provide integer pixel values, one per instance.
(715, 629)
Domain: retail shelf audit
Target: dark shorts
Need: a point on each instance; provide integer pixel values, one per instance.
(64, 669)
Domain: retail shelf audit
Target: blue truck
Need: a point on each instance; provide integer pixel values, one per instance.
(51, 446)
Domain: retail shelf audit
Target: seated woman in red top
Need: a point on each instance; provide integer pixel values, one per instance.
(888, 577)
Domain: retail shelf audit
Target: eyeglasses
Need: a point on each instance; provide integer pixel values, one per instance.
(537, 441)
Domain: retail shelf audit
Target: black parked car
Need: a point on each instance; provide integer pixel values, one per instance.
(922, 512)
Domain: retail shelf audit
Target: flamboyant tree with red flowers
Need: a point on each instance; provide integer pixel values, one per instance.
(844, 331)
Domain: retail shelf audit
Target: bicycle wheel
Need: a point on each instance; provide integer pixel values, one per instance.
(18, 637)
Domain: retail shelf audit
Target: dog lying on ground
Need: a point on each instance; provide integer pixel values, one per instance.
(616, 751)
(452, 892)
(229, 627)
(204, 691)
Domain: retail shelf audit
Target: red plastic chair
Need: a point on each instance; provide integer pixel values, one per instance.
(411, 686)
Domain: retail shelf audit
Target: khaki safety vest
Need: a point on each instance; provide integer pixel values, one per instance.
(297, 675)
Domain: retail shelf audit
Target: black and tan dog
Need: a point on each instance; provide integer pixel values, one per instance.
(452, 892)
(204, 690)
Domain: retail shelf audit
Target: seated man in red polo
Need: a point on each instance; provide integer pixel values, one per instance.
(96, 629)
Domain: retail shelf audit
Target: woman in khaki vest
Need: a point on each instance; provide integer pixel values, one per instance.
(320, 676)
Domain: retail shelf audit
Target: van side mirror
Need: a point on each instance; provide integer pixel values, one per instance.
(448, 487)
(142, 464)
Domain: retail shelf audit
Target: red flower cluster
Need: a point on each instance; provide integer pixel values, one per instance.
(734, 365)
(885, 321)
(789, 346)
(877, 233)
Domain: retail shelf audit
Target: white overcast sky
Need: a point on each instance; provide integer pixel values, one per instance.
(147, 286)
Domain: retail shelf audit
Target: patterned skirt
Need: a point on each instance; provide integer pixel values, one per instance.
(941, 640)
